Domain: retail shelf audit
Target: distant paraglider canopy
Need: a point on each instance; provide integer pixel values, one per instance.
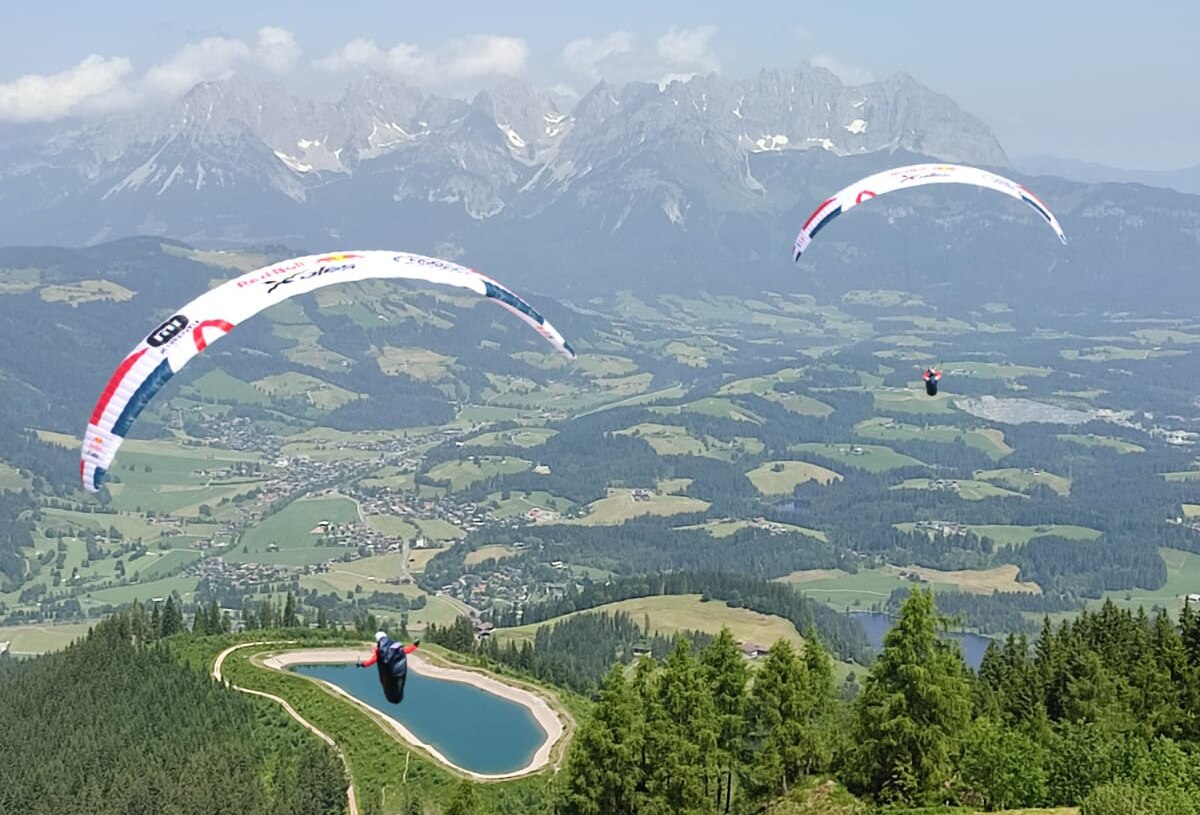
(215, 313)
(913, 176)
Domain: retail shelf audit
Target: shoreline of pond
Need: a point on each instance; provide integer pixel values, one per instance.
(546, 717)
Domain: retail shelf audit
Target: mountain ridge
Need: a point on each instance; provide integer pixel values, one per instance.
(643, 186)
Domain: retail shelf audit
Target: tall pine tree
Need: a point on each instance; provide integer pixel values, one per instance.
(914, 708)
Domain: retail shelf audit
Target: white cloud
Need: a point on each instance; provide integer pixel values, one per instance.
(465, 58)
(277, 49)
(42, 97)
(485, 55)
(585, 56)
(679, 54)
(205, 61)
(99, 84)
(354, 55)
(849, 74)
(688, 49)
(563, 91)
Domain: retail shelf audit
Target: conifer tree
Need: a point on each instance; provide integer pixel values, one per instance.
(200, 621)
(912, 712)
(726, 674)
(681, 733)
(826, 721)
(1003, 766)
(603, 771)
(171, 621)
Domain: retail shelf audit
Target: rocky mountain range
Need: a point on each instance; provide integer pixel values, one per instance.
(643, 185)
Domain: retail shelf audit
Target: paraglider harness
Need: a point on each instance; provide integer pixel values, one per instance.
(931, 377)
(392, 662)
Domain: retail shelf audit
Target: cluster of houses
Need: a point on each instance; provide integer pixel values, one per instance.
(236, 433)
(465, 515)
(508, 584)
(543, 516)
(1177, 438)
(241, 575)
(947, 529)
(354, 535)
(759, 523)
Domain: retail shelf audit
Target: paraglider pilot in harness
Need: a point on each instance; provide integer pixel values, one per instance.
(932, 375)
(392, 659)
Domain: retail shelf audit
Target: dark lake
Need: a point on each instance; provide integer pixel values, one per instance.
(877, 624)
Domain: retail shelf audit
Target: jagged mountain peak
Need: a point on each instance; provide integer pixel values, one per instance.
(511, 149)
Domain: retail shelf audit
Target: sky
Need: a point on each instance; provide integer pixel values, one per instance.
(1100, 81)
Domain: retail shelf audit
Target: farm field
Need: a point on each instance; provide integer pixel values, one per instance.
(621, 505)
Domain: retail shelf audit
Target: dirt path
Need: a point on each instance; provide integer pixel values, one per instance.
(216, 672)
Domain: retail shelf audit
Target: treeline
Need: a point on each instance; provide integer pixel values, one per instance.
(996, 613)
(16, 535)
(951, 553)
(842, 633)
(1089, 568)
(696, 735)
(1102, 712)
(652, 545)
(574, 653)
(412, 407)
(52, 469)
(577, 472)
(116, 724)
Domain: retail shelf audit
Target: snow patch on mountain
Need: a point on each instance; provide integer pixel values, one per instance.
(293, 163)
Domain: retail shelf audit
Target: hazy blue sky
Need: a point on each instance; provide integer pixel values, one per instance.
(1103, 81)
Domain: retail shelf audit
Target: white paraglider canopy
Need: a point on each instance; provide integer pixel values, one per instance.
(913, 176)
(215, 313)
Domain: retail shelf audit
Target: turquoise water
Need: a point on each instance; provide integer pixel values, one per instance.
(474, 729)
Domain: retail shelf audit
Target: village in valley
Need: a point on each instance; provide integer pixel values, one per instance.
(281, 473)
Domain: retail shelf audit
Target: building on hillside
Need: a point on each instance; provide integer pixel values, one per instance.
(752, 651)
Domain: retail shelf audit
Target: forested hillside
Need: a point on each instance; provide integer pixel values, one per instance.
(117, 724)
(1102, 712)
